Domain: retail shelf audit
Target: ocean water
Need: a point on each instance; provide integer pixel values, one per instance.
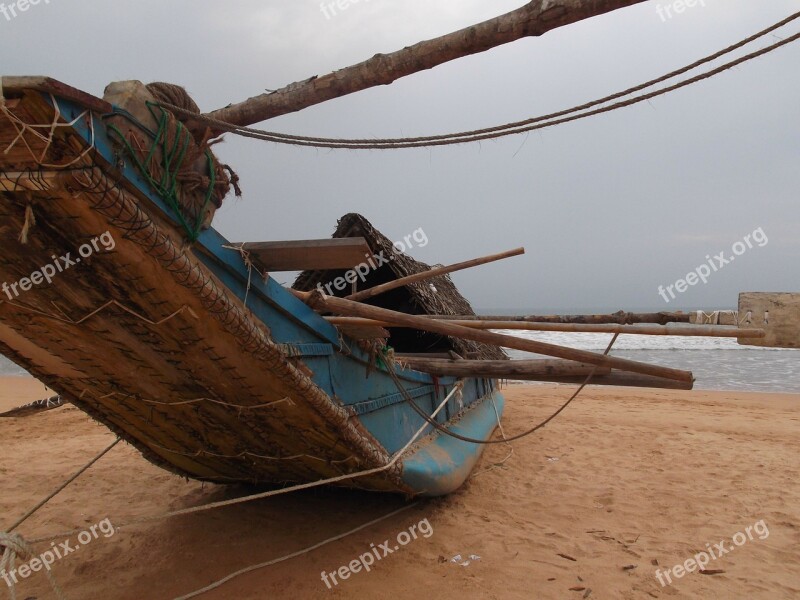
(718, 363)
(9, 368)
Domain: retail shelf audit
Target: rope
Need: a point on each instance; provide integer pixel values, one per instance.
(30, 221)
(80, 472)
(248, 262)
(505, 440)
(510, 128)
(21, 127)
(173, 157)
(275, 561)
(14, 545)
(262, 495)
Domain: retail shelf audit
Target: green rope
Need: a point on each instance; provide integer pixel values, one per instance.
(173, 157)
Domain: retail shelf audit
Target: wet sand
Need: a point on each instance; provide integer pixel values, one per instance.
(585, 508)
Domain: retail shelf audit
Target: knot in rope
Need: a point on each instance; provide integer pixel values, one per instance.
(14, 546)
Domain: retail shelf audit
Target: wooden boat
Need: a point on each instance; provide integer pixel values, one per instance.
(120, 296)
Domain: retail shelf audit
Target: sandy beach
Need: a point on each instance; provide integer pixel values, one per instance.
(623, 483)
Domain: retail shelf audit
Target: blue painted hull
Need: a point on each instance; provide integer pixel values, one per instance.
(305, 359)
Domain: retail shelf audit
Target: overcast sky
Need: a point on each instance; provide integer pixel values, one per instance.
(608, 208)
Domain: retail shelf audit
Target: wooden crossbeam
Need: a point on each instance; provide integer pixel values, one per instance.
(302, 255)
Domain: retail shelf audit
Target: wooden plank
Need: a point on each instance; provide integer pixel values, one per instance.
(302, 255)
(32, 181)
(16, 85)
(777, 313)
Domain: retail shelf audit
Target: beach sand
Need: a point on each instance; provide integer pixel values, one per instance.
(623, 480)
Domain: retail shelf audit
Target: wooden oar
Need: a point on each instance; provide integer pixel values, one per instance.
(720, 331)
(342, 306)
(398, 283)
(553, 371)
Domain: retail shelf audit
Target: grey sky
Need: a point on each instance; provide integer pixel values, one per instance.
(608, 208)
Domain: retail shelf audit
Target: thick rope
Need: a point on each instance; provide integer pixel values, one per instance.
(510, 128)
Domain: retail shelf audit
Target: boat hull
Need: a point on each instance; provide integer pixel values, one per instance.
(210, 372)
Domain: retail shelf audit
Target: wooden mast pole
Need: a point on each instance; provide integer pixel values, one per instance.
(533, 19)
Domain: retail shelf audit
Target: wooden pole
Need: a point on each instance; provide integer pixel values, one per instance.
(553, 371)
(620, 318)
(323, 303)
(719, 331)
(398, 283)
(533, 19)
(502, 369)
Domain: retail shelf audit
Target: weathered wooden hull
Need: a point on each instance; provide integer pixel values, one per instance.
(209, 371)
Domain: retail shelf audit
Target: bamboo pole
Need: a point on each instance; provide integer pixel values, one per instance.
(430, 274)
(533, 19)
(719, 331)
(323, 303)
(552, 371)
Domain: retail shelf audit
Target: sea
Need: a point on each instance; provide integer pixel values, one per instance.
(717, 363)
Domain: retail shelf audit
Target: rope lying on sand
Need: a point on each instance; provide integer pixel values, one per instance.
(541, 122)
(275, 561)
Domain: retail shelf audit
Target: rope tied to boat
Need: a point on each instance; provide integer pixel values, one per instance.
(14, 547)
(177, 177)
(30, 221)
